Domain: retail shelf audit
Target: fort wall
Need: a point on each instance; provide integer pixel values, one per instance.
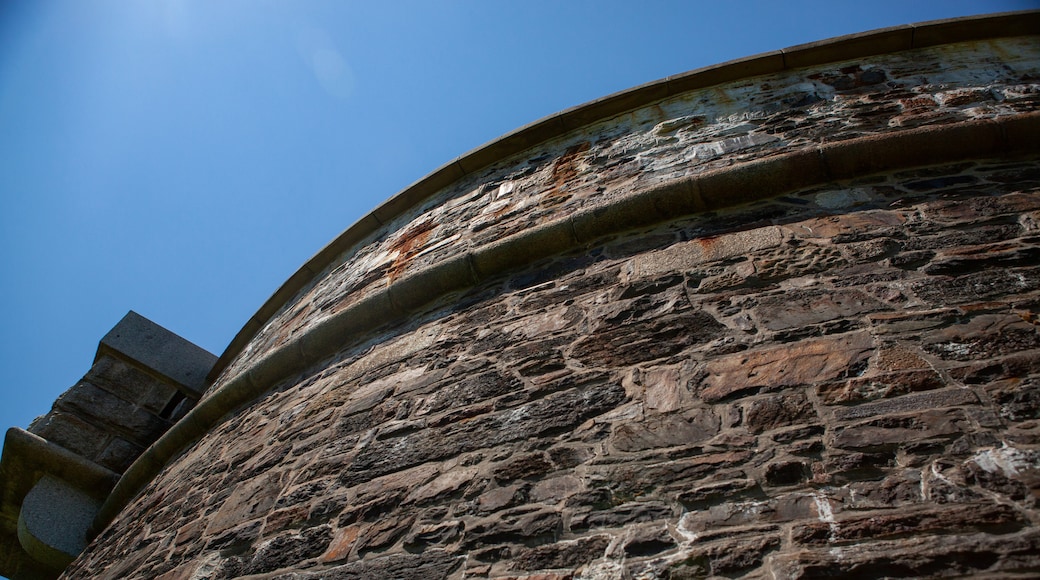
(776, 318)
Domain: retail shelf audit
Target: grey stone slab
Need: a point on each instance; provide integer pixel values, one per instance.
(71, 432)
(130, 383)
(53, 521)
(119, 454)
(147, 343)
(108, 411)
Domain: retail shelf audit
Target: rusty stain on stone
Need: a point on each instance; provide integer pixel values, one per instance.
(407, 245)
(565, 169)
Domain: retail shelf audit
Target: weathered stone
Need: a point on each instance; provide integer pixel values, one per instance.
(914, 556)
(568, 554)
(785, 508)
(470, 389)
(289, 549)
(250, 500)
(994, 518)
(705, 495)
(135, 385)
(666, 431)
(71, 432)
(900, 429)
(659, 345)
(526, 466)
(663, 389)
(555, 489)
(772, 411)
(725, 558)
(524, 527)
(108, 411)
(502, 497)
(434, 534)
(637, 479)
(556, 411)
(803, 363)
(943, 290)
(628, 344)
(119, 454)
(901, 488)
(913, 402)
(879, 386)
(647, 541)
(984, 337)
(686, 256)
(1018, 400)
(853, 466)
(623, 515)
(802, 307)
(431, 564)
(382, 533)
(447, 484)
(786, 473)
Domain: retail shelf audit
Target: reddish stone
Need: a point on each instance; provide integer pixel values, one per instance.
(801, 363)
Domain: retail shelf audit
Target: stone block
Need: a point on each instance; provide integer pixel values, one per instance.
(725, 558)
(567, 554)
(798, 308)
(960, 518)
(879, 386)
(637, 479)
(624, 515)
(111, 413)
(556, 411)
(913, 402)
(893, 430)
(737, 514)
(53, 521)
(781, 410)
(656, 431)
(130, 383)
(249, 500)
(140, 340)
(119, 454)
(802, 363)
(688, 255)
(626, 344)
(71, 432)
(429, 564)
(289, 548)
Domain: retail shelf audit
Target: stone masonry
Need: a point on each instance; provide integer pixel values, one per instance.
(55, 475)
(807, 377)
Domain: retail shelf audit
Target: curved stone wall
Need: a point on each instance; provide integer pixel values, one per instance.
(777, 323)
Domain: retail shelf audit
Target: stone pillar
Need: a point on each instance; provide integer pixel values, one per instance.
(56, 475)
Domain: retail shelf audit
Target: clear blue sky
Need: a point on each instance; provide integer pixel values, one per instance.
(182, 158)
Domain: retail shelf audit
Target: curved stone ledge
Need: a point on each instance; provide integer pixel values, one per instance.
(860, 45)
(715, 190)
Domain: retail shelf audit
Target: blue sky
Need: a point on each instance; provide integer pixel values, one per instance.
(182, 158)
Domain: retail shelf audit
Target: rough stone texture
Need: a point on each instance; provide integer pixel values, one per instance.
(843, 380)
(144, 378)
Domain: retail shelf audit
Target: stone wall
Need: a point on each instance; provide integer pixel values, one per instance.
(836, 377)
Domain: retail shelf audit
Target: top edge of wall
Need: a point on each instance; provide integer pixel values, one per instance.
(858, 45)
